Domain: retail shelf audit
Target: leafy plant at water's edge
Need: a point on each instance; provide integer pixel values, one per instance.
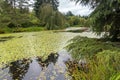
(102, 58)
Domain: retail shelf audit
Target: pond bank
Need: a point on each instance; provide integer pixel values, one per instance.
(94, 59)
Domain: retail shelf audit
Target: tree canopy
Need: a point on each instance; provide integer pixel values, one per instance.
(40, 3)
(47, 12)
(13, 13)
(105, 17)
(51, 18)
(69, 13)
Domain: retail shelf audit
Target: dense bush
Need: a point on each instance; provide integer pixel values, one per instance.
(78, 21)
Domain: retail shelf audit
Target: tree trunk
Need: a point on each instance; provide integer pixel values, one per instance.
(114, 35)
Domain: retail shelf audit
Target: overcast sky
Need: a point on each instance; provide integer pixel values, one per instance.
(67, 5)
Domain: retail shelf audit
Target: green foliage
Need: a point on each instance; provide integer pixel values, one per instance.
(47, 13)
(102, 67)
(78, 21)
(28, 29)
(69, 13)
(15, 14)
(84, 46)
(39, 3)
(34, 20)
(105, 17)
(102, 59)
(21, 29)
(51, 18)
(12, 19)
(115, 77)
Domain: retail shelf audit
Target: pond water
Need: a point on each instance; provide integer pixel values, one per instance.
(53, 68)
(35, 55)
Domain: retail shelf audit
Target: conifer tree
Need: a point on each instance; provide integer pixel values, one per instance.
(105, 17)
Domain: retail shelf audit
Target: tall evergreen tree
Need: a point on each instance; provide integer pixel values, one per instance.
(69, 13)
(105, 17)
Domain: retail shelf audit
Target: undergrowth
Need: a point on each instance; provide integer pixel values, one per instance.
(101, 59)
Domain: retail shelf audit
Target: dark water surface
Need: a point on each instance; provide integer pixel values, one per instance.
(3, 39)
(53, 68)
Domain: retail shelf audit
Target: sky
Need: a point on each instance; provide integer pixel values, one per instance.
(76, 9)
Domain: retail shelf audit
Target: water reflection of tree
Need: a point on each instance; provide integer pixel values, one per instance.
(52, 58)
(19, 68)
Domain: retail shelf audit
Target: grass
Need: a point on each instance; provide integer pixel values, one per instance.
(102, 59)
(29, 29)
(79, 25)
(21, 29)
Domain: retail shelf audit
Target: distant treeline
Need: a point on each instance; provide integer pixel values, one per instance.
(17, 14)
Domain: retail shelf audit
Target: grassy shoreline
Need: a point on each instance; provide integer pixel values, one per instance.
(21, 29)
(94, 59)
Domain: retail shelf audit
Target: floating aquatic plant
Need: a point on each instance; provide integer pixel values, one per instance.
(32, 44)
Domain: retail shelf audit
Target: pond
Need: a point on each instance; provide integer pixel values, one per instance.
(32, 55)
(53, 68)
(35, 55)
